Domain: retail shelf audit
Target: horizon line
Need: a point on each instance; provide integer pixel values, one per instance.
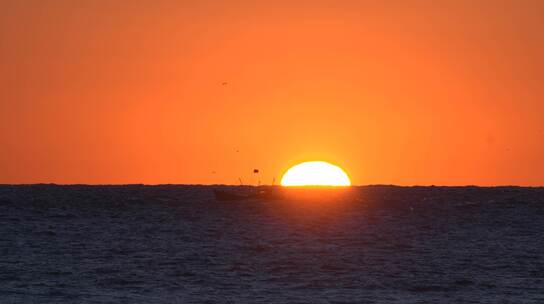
(269, 185)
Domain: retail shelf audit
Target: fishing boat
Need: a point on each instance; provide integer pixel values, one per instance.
(256, 193)
(223, 195)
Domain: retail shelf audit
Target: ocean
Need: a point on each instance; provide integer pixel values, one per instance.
(177, 244)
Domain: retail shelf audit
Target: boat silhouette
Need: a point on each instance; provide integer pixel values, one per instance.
(223, 195)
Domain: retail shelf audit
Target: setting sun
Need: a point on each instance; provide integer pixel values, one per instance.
(315, 173)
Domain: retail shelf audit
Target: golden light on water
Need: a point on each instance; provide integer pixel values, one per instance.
(315, 173)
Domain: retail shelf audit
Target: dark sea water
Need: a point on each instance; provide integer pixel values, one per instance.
(176, 244)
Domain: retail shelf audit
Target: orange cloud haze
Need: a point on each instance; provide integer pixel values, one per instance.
(401, 92)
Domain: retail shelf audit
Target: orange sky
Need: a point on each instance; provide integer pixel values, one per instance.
(396, 92)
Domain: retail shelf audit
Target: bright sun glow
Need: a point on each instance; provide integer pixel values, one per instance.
(315, 173)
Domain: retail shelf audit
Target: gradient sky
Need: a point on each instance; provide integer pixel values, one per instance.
(396, 92)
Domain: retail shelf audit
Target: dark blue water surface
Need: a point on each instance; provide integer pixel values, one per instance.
(176, 244)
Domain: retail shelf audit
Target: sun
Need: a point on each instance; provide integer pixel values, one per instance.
(315, 173)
